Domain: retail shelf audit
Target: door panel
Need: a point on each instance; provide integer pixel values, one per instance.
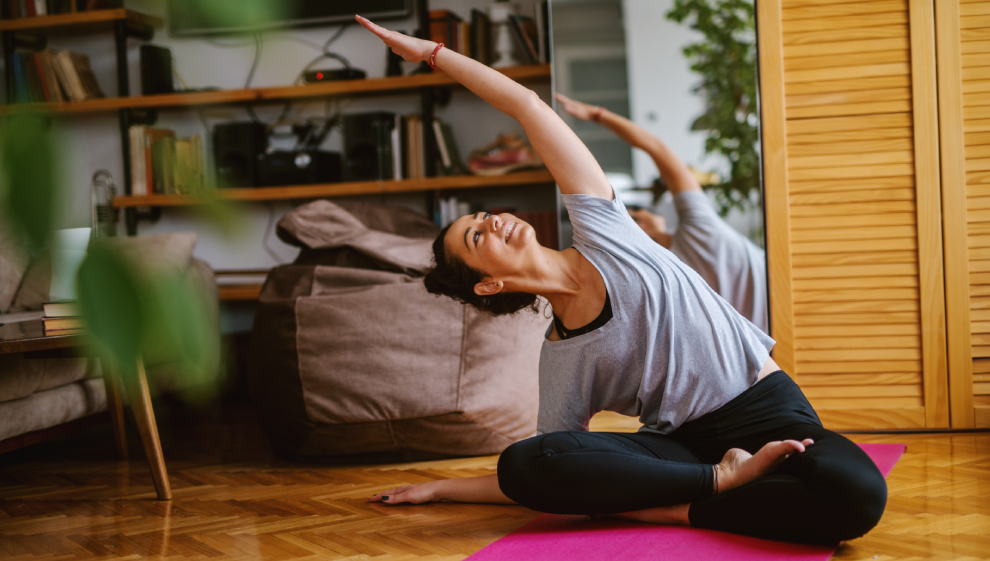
(850, 132)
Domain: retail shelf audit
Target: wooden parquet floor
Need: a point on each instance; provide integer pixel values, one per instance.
(233, 499)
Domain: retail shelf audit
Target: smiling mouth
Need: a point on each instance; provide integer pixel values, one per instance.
(508, 231)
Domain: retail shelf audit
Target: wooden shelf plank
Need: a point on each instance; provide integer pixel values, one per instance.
(242, 292)
(264, 95)
(341, 189)
(78, 19)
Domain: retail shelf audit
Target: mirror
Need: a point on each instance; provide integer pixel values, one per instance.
(693, 85)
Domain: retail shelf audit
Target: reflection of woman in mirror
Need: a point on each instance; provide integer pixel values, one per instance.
(728, 441)
(731, 264)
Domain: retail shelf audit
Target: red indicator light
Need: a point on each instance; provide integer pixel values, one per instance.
(319, 75)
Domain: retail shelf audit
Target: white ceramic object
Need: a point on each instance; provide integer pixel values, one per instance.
(68, 251)
(505, 47)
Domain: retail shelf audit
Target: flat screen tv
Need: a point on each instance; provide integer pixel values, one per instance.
(216, 17)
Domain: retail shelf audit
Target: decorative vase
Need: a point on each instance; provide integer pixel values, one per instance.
(499, 13)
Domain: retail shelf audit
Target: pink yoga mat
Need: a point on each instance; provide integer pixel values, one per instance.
(553, 537)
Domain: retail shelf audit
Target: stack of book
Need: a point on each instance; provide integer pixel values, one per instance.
(405, 155)
(162, 164)
(30, 8)
(50, 75)
(474, 38)
(62, 318)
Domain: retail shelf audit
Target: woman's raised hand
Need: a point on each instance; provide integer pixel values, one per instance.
(412, 494)
(580, 110)
(409, 48)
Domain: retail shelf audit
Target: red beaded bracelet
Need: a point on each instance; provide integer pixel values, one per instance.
(433, 57)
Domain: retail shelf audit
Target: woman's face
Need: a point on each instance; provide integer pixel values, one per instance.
(498, 245)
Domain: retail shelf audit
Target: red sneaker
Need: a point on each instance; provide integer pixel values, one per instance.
(507, 154)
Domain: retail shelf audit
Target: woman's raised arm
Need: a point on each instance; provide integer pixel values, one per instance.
(568, 159)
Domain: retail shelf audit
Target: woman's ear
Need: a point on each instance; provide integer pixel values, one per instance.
(488, 287)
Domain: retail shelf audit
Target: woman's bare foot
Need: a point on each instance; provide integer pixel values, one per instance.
(739, 466)
(674, 514)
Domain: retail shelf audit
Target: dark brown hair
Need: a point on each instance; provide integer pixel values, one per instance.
(452, 277)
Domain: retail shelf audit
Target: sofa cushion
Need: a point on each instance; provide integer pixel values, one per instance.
(21, 377)
(14, 262)
(45, 409)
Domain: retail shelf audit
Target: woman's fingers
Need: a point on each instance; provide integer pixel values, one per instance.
(412, 494)
(372, 26)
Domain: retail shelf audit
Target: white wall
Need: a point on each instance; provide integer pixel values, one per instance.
(93, 142)
(660, 83)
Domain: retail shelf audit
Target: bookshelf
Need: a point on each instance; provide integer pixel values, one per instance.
(140, 109)
(373, 86)
(341, 189)
(91, 21)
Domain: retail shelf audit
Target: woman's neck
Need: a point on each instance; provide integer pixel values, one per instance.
(566, 279)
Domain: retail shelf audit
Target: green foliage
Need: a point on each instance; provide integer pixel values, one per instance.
(28, 182)
(130, 309)
(134, 310)
(726, 61)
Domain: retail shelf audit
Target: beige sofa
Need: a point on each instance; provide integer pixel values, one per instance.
(40, 393)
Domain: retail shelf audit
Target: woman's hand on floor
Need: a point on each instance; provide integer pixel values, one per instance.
(411, 494)
(482, 489)
(409, 48)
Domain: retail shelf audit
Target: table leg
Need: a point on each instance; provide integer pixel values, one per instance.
(144, 416)
(115, 403)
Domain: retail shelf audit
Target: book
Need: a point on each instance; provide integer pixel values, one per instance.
(480, 37)
(139, 173)
(52, 324)
(463, 38)
(444, 26)
(40, 8)
(524, 30)
(415, 168)
(450, 158)
(69, 76)
(55, 88)
(152, 135)
(398, 152)
(46, 94)
(61, 309)
(87, 79)
(58, 332)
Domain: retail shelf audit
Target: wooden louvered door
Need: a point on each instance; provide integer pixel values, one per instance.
(964, 118)
(850, 138)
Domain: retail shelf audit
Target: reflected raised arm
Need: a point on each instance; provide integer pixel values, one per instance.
(673, 170)
(568, 159)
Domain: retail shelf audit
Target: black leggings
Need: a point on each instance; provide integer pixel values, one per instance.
(831, 492)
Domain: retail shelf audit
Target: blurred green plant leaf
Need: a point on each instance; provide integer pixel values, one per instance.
(244, 13)
(28, 181)
(110, 298)
(135, 309)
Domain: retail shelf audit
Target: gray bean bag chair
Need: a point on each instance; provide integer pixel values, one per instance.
(351, 355)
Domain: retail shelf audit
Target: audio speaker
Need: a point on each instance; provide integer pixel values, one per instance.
(156, 70)
(368, 146)
(236, 148)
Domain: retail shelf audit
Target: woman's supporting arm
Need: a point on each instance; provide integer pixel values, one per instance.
(568, 159)
(482, 489)
(673, 170)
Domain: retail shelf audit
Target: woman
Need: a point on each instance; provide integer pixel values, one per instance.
(731, 264)
(728, 440)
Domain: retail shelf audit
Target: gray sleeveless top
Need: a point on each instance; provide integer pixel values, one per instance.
(673, 351)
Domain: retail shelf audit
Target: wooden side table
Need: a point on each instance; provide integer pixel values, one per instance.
(28, 336)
